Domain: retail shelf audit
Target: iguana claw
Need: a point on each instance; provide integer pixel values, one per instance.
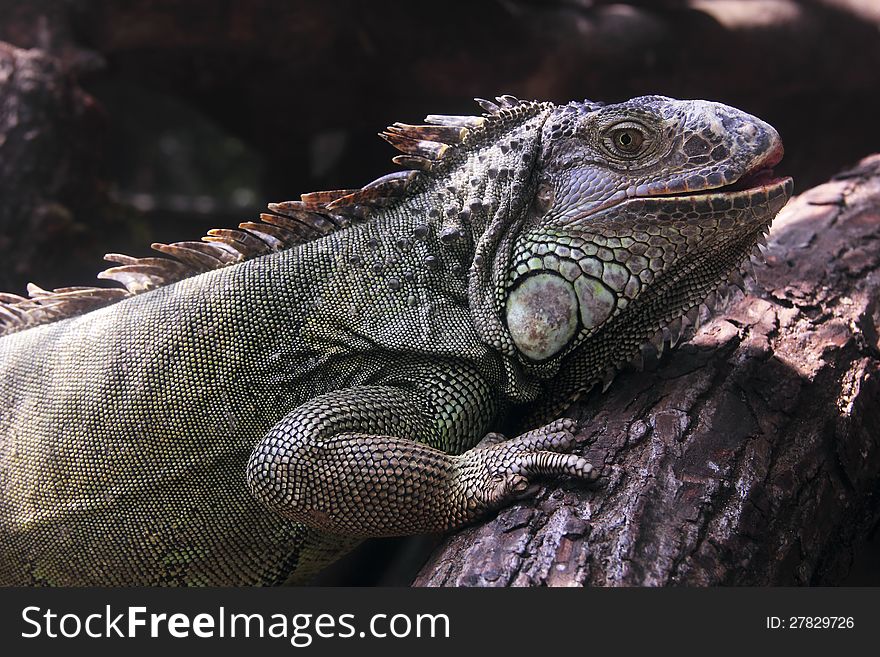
(499, 470)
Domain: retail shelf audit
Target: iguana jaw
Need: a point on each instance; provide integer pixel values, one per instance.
(759, 179)
(750, 190)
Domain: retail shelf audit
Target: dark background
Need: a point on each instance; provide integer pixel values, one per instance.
(162, 118)
(123, 123)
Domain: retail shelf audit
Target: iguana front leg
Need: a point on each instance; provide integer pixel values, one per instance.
(376, 461)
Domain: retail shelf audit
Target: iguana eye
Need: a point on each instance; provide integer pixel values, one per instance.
(626, 140)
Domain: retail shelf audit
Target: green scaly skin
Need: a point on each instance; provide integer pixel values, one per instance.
(253, 423)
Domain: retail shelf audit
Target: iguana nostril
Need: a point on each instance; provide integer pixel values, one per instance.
(748, 130)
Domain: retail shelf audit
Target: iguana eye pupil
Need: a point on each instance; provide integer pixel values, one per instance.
(629, 140)
(626, 140)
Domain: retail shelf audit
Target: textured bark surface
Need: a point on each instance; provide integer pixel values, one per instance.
(749, 456)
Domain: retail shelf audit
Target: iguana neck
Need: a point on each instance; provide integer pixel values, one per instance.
(484, 202)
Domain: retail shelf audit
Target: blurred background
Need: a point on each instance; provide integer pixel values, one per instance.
(128, 122)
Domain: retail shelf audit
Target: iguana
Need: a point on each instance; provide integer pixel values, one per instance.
(246, 408)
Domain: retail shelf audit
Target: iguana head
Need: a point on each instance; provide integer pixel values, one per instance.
(639, 211)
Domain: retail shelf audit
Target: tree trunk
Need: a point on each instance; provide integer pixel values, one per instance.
(750, 456)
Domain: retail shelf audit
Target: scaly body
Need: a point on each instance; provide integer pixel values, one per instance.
(251, 421)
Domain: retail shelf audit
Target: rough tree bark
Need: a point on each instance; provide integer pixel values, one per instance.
(751, 456)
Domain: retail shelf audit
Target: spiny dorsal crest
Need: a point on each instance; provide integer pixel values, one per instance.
(427, 149)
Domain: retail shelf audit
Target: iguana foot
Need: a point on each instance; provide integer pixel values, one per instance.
(498, 470)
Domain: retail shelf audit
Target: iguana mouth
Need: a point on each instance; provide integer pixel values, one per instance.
(761, 177)
(761, 181)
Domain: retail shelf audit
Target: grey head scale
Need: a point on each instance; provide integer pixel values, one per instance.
(641, 210)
